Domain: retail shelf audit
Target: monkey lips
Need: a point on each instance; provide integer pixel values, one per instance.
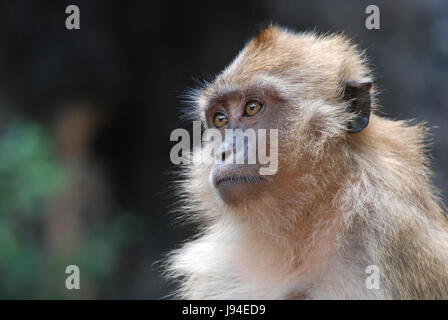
(237, 183)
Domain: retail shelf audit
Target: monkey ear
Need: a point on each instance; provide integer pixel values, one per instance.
(358, 94)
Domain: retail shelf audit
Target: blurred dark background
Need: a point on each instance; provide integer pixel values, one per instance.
(86, 115)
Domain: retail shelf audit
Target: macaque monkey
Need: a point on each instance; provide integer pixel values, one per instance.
(352, 192)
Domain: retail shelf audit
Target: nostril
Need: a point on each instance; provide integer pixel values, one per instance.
(224, 153)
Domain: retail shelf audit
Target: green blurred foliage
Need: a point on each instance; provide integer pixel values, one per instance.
(30, 175)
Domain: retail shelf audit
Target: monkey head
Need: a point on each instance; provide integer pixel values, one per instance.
(314, 90)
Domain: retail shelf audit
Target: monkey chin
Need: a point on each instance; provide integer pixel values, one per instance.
(237, 184)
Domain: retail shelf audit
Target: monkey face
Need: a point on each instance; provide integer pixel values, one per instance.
(285, 82)
(240, 118)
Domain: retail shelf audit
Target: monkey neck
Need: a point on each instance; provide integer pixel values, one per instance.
(299, 223)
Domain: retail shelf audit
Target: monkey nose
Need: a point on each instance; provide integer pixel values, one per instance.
(231, 153)
(224, 153)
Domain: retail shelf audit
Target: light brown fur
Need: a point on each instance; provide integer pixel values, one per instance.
(339, 202)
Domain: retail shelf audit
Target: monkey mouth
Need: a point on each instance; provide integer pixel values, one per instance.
(236, 185)
(236, 179)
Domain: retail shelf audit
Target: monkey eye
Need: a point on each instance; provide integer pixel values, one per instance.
(220, 120)
(253, 107)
